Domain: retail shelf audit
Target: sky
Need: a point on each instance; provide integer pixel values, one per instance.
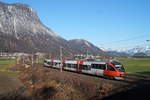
(115, 24)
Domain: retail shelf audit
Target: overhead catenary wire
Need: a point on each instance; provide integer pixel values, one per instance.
(127, 43)
(68, 51)
(126, 40)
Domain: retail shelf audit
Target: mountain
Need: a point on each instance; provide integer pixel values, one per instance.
(136, 51)
(82, 46)
(139, 49)
(139, 54)
(118, 54)
(22, 31)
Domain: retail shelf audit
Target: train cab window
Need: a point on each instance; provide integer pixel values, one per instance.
(45, 61)
(110, 68)
(55, 64)
(120, 69)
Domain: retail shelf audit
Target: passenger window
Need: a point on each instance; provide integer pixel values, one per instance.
(72, 65)
(84, 67)
(75, 65)
(89, 67)
(103, 67)
(98, 66)
(64, 65)
(81, 66)
(69, 65)
(50, 63)
(110, 68)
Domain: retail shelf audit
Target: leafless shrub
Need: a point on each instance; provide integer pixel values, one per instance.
(18, 94)
(50, 84)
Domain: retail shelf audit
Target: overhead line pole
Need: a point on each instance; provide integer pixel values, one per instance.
(61, 59)
(87, 53)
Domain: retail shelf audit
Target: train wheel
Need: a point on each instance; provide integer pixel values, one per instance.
(109, 77)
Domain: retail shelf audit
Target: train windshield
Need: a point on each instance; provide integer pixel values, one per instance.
(118, 66)
(120, 69)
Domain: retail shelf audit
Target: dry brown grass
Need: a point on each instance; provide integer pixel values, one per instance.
(46, 84)
(51, 84)
(17, 94)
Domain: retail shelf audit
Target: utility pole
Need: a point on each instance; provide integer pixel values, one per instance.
(32, 59)
(87, 53)
(23, 59)
(61, 59)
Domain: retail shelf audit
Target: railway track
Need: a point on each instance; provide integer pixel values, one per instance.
(127, 79)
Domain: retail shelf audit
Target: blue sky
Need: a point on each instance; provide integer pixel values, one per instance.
(116, 24)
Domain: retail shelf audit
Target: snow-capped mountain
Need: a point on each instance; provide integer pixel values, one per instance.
(22, 31)
(140, 49)
(130, 52)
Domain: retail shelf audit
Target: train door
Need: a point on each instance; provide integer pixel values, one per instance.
(110, 71)
(97, 69)
(93, 70)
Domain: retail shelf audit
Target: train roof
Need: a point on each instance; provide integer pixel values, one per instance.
(71, 61)
(85, 62)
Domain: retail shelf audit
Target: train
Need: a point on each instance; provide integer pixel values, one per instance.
(107, 68)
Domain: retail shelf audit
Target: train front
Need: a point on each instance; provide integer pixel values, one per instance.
(120, 70)
(116, 70)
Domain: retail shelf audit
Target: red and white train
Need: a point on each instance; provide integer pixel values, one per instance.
(110, 68)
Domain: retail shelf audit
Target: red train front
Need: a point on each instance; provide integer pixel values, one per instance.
(115, 69)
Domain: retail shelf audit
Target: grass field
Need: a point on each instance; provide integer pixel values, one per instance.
(5, 63)
(136, 65)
